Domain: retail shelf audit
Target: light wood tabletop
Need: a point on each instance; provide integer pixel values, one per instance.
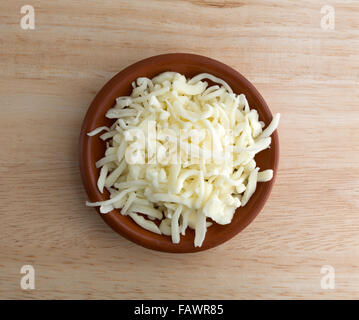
(305, 242)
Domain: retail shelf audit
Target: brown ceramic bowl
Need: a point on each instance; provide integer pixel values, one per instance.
(93, 148)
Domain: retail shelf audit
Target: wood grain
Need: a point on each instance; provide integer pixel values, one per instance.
(49, 77)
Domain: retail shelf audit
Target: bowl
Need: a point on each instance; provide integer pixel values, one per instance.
(92, 149)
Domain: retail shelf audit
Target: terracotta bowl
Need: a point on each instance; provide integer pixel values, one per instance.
(93, 148)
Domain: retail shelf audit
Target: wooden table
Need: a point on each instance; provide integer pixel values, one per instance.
(50, 75)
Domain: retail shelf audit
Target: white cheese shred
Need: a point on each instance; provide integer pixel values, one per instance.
(97, 131)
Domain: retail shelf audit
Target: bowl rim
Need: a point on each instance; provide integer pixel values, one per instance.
(85, 152)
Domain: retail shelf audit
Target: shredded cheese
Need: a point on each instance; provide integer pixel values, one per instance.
(180, 152)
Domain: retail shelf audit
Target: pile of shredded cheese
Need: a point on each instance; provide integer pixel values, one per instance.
(179, 152)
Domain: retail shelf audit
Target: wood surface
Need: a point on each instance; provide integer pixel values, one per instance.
(50, 75)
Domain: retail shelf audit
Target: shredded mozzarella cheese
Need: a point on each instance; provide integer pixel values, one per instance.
(179, 152)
